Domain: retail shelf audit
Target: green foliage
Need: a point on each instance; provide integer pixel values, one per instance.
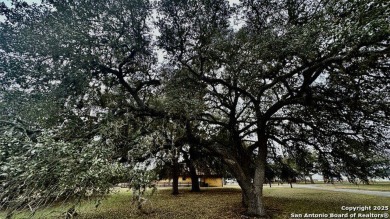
(140, 182)
(36, 173)
(307, 77)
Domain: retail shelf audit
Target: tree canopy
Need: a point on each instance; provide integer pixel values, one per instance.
(304, 78)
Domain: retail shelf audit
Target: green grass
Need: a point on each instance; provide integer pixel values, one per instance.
(210, 203)
(381, 186)
(215, 203)
(283, 201)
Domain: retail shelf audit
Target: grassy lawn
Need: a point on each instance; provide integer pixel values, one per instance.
(286, 201)
(380, 186)
(216, 203)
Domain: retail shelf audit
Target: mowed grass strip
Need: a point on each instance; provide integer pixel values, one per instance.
(281, 202)
(380, 186)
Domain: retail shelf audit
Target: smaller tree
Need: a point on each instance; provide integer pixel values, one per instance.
(40, 172)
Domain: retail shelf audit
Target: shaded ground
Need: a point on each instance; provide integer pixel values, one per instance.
(281, 202)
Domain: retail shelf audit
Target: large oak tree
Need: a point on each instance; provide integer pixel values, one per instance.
(298, 75)
(292, 75)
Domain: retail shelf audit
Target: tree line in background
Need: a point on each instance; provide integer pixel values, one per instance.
(99, 92)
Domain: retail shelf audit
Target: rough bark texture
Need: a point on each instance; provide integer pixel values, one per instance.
(252, 199)
(255, 202)
(252, 184)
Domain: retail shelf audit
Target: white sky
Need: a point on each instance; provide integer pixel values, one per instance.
(8, 3)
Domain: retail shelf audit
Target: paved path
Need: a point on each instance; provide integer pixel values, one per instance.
(356, 191)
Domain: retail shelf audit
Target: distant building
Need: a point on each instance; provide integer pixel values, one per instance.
(204, 181)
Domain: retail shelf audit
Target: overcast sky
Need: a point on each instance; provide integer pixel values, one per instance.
(8, 2)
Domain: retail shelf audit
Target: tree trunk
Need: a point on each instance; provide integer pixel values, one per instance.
(252, 191)
(244, 199)
(251, 182)
(175, 177)
(252, 188)
(252, 200)
(255, 204)
(195, 187)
